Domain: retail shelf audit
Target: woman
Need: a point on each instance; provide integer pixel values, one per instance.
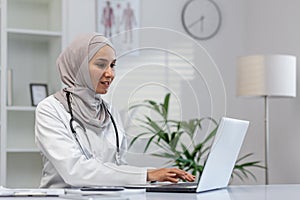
(81, 137)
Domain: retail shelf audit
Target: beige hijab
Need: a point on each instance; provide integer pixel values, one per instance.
(87, 106)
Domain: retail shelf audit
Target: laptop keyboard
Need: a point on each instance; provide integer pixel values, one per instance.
(182, 184)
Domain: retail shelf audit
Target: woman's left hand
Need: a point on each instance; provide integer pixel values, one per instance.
(169, 174)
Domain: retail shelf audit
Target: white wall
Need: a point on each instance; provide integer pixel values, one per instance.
(273, 28)
(268, 26)
(80, 18)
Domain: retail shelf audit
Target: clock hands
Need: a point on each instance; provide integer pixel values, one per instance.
(199, 20)
(202, 23)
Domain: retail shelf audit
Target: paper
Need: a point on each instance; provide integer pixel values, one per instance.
(93, 192)
(7, 192)
(94, 197)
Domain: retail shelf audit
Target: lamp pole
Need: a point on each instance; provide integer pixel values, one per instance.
(266, 139)
(266, 76)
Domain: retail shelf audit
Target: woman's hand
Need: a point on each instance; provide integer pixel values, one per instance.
(169, 174)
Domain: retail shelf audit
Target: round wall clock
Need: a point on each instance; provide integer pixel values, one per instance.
(201, 19)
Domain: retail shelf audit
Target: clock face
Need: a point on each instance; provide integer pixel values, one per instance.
(201, 18)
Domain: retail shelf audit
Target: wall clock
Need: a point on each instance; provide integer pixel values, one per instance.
(201, 19)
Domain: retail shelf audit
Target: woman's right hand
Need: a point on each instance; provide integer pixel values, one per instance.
(169, 174)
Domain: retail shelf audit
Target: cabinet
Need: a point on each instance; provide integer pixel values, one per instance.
(32, 36)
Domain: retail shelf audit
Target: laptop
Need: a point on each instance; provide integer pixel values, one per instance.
(220, 161)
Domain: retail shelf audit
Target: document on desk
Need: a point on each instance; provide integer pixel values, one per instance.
(94, 197)
(103, 190)
(8, 192)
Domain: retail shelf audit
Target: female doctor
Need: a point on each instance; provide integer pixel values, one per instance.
(79, 135)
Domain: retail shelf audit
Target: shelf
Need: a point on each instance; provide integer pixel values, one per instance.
(34, 14)
(34, 32)
(23, 170)
(35, 63)
(32, 39)
(20, 130)
(33, 35)
(10, 150)
(20, 108)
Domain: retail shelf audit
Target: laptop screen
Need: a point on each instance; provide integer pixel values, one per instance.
(223, 154)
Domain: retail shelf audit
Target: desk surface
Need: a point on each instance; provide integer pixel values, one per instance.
(255, 192)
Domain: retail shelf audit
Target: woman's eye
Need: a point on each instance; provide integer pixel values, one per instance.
(112, 65)
(102, 66)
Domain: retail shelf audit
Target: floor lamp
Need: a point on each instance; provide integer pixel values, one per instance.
(266, 76)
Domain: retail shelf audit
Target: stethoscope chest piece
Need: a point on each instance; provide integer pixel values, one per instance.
(118, 158)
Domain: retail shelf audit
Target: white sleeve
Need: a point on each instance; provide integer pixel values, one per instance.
(55, 140)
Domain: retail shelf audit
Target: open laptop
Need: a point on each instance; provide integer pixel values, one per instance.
(220, 162)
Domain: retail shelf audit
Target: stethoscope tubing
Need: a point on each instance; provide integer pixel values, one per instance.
(88, 155)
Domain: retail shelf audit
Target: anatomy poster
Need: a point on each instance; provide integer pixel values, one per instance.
(119, 20)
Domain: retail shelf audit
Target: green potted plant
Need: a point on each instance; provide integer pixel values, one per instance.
(186, 154)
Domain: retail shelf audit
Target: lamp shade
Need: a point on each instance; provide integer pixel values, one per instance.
(266, 75)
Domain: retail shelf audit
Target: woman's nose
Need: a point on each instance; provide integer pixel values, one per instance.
(109, 72)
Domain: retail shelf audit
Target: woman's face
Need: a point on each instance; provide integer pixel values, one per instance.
(101, 68)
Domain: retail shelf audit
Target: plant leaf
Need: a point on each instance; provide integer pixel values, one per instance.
(211, 135)
(148, 143)
(136, 137)
(164, 155)
(165, 106)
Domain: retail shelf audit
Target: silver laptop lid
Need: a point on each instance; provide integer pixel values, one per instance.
(223, 154)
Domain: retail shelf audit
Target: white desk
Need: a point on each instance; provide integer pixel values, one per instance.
(255, 192)
(261, 192)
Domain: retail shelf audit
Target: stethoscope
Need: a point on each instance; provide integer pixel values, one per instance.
(84, 151)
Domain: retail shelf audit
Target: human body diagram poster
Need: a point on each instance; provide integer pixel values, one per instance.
(116, 19)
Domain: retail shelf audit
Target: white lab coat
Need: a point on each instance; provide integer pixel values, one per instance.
(64, 165)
